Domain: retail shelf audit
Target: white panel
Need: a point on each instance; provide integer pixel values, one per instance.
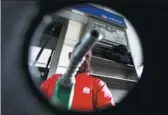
(64, 60)
(61, 70)
(40, 65)
(70, 42)
(43, 57)
(72, 36)
(76, 16)
(33, 53)
(74, 31)
(135, 47)
(118, 94)
(78, 12)
(139, 70)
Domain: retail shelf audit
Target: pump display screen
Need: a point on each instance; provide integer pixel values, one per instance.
(110, 33)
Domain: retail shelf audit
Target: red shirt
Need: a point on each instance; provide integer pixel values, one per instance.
(88, 91)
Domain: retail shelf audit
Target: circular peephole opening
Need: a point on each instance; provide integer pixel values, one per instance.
(110, 69)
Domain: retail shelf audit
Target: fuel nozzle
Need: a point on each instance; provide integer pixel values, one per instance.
(65, 85)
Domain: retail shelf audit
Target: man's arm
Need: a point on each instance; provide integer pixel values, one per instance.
(103, 96)
(48, 85)
(45, 85)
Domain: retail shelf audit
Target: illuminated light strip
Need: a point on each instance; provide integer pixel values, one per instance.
(78, 12)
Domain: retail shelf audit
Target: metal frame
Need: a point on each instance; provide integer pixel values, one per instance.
(72, 16)
(57, 51)
(40, 52)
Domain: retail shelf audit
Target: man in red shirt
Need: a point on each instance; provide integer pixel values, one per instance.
(89, 93)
